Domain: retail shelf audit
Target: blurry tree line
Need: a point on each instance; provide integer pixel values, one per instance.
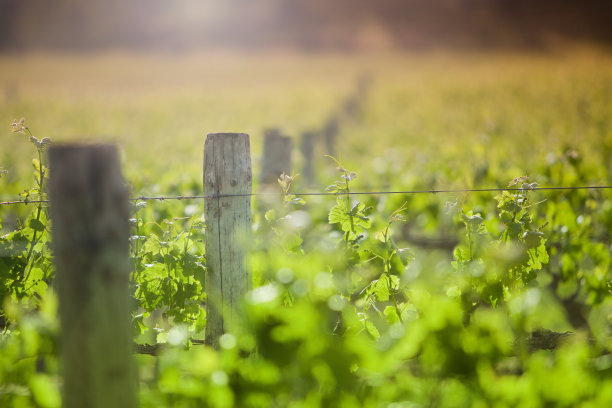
(304, 24)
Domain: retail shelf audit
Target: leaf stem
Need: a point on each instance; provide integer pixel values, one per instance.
(35, 238)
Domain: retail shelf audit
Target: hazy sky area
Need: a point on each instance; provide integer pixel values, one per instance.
(345, 25)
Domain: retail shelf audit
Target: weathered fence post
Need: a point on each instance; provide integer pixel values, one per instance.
(307, 149)
(276, 156)
(89, 210)
(331, 135)
(227, 175)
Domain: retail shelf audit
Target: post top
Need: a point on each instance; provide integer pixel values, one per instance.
(82, 151)
(82, 146)
(227, 134)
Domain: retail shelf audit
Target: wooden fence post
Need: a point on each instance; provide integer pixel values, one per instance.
(276, 156)
(331, 135)
(90, 231)
(307, 149)
(227, 171)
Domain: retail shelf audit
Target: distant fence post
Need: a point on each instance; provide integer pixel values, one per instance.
(276, 156)
(227, 171)
(307, 149)
(331, 135)
(90, 212)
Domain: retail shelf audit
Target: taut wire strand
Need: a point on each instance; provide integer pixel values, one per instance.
(432, 191)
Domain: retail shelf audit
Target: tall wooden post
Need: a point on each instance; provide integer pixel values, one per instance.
(331, 135)
(276, 156)
(307, 149)
(89, 210)
(227, 176)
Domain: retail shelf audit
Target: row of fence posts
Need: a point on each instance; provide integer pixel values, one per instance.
(315, 142)
(90, 237)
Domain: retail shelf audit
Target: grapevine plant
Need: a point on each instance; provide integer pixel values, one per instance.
(25, 264)
(519, 250)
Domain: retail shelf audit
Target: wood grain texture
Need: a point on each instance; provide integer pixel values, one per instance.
(89, 211)
(227, 170)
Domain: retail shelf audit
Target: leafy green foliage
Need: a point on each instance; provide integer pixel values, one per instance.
(495, 268)
(169, 273)
(25, 255)
(351, 217)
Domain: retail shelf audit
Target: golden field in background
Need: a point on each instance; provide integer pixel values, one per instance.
(430, 108)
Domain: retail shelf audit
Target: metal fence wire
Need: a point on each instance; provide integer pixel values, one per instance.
(297, 194)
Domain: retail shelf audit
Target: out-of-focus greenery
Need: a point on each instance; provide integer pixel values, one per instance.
(479, 299)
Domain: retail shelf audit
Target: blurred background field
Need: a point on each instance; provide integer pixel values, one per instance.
(445, 110)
